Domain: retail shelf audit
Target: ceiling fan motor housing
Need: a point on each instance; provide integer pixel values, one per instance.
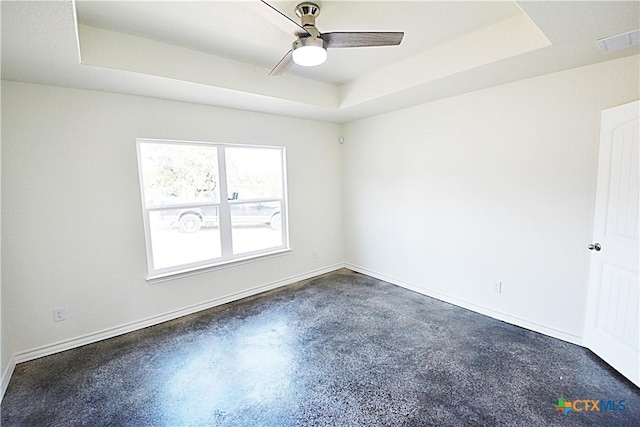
(309, 41)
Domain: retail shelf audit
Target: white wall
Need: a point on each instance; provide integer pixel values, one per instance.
(72, 226)
(495, 185)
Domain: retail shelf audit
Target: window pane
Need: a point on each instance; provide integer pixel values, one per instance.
(256, 226)
(184, 236)
(254, 173)
(179, 174)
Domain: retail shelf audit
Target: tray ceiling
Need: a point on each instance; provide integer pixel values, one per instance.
(220, 52)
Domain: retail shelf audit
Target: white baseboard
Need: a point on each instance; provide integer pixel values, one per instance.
(69, 344)
(514, 320)
(6, 376)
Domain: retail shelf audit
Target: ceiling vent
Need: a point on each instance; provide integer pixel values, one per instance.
(619, 42)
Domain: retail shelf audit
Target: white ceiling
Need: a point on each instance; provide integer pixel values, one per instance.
(220, 52)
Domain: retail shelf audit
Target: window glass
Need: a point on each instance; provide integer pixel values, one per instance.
(256, 226)
(182, 237)
(179, 174)
(254, 173)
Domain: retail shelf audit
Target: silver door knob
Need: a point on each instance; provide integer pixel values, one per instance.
(594, 247)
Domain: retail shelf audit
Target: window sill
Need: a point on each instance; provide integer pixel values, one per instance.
(164, 277)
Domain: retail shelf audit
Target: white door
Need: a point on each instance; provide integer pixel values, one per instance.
(612, 329)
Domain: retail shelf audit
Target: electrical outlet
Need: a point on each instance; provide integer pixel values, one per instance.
(59, 314)
(314, 254)
(496, 287)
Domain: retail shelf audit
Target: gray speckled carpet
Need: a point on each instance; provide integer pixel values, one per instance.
(342, 349)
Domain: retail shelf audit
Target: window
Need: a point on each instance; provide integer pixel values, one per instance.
(208, 204)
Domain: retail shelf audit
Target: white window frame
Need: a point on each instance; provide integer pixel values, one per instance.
(226, 241)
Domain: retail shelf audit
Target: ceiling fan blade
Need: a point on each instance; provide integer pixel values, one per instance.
(283, 22)
(283, 65)
(362, 39)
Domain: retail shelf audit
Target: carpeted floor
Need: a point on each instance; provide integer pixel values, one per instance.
(339, 350)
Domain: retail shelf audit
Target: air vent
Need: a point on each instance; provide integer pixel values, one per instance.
(619, 42)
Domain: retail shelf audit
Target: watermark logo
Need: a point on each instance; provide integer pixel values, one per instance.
(563, 406)
(589, 405)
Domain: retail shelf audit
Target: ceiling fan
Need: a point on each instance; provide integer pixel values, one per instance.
(310, 47)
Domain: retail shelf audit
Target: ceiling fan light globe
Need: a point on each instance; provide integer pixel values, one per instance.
(309, 56)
